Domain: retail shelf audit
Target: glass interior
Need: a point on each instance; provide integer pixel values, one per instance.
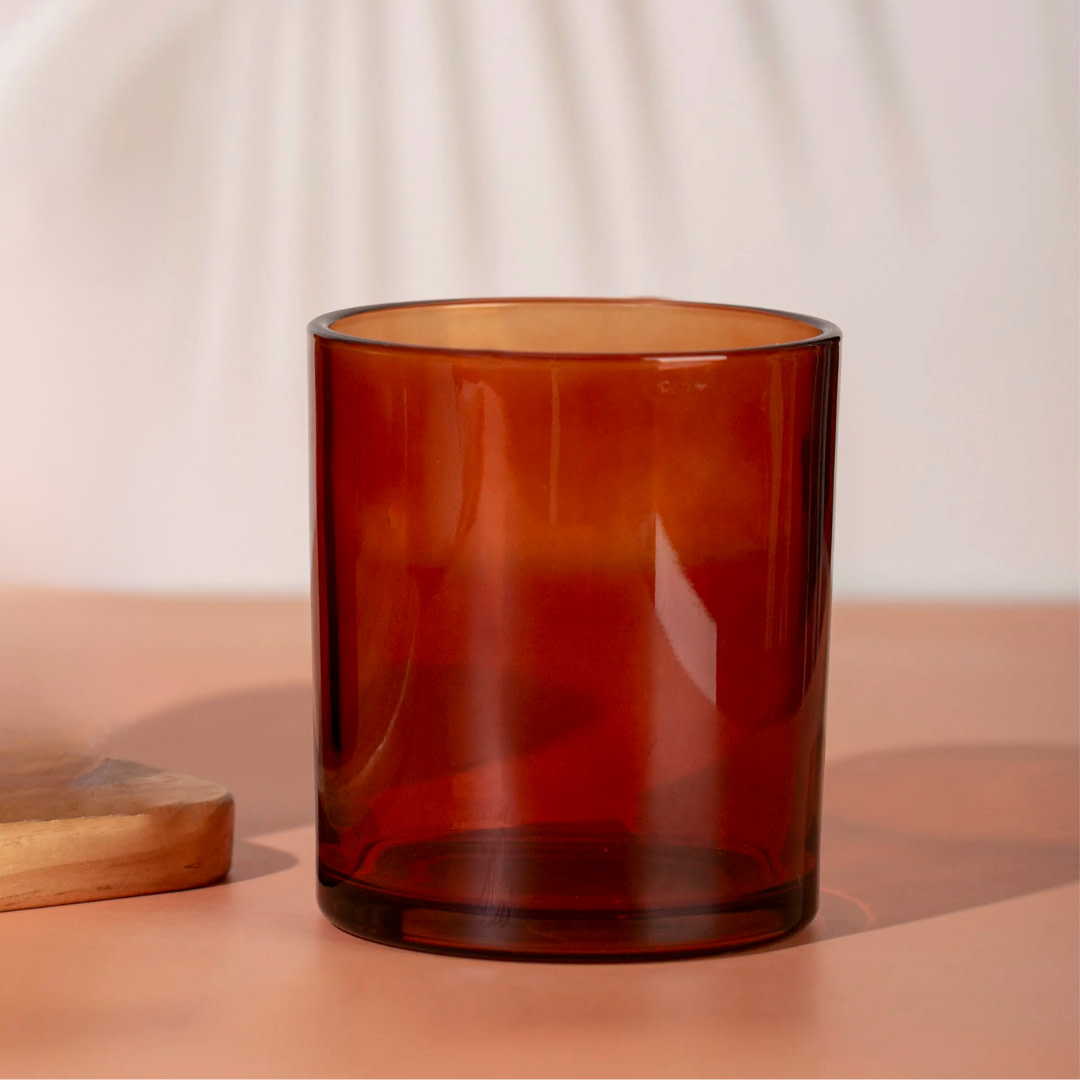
(577, 327)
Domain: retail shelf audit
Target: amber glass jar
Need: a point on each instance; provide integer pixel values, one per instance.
(571, 593)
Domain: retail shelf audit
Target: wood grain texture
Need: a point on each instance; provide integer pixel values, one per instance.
(122, 830)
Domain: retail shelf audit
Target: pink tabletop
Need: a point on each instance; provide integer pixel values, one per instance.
(946, 944)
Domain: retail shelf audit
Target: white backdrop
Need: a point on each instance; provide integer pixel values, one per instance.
(183, 183)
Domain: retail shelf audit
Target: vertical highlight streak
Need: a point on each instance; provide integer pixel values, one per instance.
(379, 178)
(894, 114)
(568, 95)
(687, 624)
(643, 92)
(465, 146)
(780, 94)
(553, 461)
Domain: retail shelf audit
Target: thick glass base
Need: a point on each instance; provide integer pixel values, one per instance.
(569, 899)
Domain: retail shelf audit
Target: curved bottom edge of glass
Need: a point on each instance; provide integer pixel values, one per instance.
(563, 933)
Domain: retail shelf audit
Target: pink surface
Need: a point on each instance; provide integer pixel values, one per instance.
(946, 945)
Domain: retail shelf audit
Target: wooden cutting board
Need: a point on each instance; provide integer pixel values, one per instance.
(121, 830)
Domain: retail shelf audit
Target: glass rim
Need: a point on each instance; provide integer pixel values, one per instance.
(322, 327)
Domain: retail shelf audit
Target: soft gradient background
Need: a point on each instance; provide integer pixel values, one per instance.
(184, 183)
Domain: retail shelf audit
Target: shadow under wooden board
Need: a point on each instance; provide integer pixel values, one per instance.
(123, 829)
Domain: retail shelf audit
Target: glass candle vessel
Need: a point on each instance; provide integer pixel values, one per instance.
(571, 586)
